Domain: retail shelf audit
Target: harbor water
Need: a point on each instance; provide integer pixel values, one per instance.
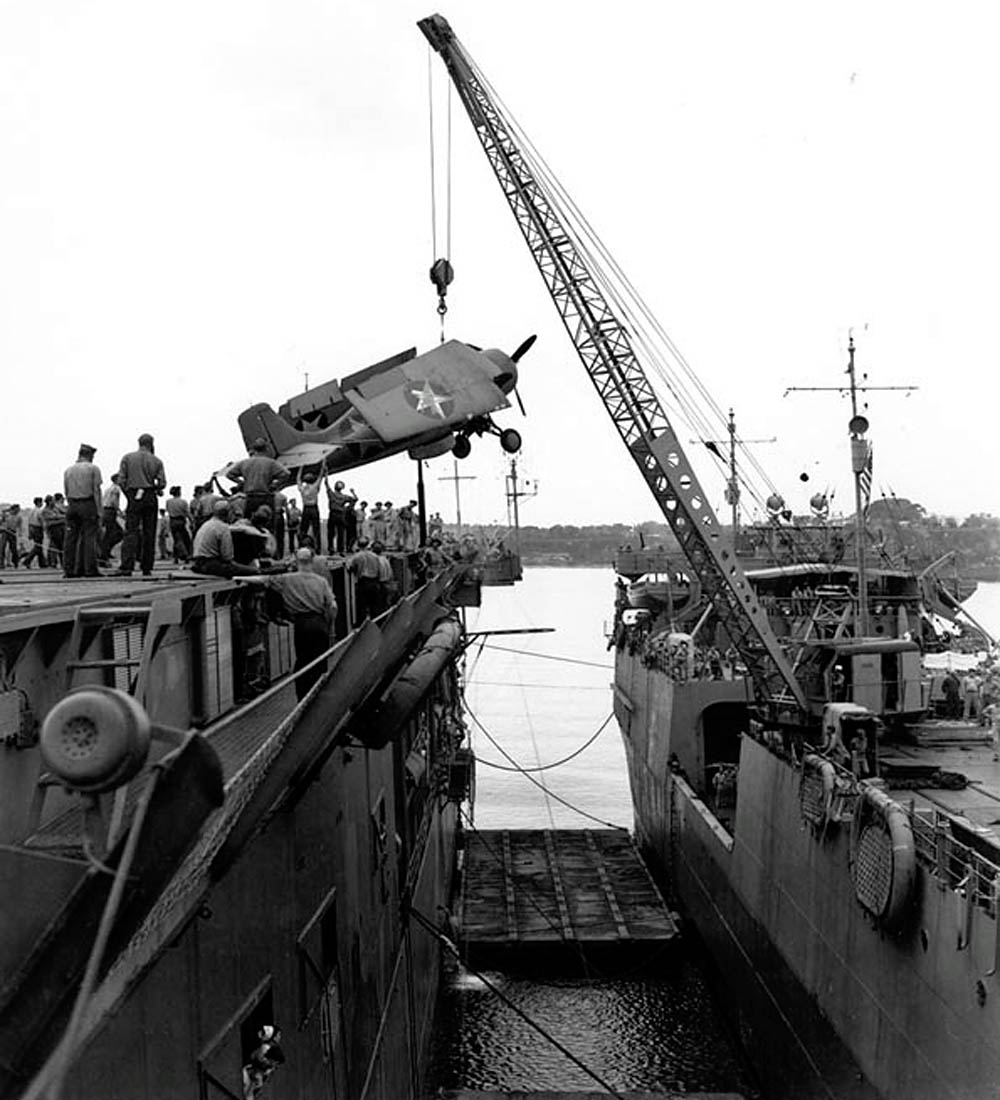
(534, 700)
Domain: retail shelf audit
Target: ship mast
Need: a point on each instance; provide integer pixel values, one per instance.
(860, 462)
(732, 492)
(861, 467)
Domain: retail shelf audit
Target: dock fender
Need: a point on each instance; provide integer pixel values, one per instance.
(377, 723)
(884, 861)
(816, 787)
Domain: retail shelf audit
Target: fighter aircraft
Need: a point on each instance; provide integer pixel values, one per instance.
(425, 404)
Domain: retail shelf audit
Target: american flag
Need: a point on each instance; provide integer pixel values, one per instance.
(865, 478)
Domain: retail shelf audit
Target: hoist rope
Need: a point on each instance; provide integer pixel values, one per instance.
(430, 125)
(531, 779)
(555, 763)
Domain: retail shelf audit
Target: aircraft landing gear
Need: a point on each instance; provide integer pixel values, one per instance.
(461, 448)
(510, 440)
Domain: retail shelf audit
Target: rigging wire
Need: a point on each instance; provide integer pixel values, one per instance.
(447, 241)
(534, 745)
(555, 763)
(531, 779)
(549, 656)
(541, 687)
(646, 331)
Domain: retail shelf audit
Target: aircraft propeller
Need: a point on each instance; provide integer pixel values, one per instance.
(501, 378)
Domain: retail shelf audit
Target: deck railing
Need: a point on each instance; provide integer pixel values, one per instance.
(955, 865)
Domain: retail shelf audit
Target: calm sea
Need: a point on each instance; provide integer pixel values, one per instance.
(538, 698)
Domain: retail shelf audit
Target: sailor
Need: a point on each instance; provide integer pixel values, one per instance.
(213, 547)
(386, 579)
(838, 684)
(179, 514)
(111, 532)
(264, 1059)
(82, 482)
(336, 521)
(252, 538)
(294, 519)
(10, 525)
(142, 478)
(258, 476)
(309, 488)
(313, 610)
(970, 696)
(280, 505)
(952, 695)
(207, 502)
(992, 715)
(36, 536)
(54, 525)
(364, 564)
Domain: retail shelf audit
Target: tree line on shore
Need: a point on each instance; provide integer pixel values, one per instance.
(903, 531)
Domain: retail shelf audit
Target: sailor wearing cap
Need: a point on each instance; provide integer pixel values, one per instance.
(259, 476)
(82, 486)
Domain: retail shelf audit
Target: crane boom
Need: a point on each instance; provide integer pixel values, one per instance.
(606, 352)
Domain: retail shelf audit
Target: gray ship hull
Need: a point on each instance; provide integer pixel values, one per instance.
(829, 1004)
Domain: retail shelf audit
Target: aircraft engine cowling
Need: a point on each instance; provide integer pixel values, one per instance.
(433, 449)
(506, 376)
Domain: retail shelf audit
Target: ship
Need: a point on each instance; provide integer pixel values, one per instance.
(840, 861)
(209, 884)
(827, 822)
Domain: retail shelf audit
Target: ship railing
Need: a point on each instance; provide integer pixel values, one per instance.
(955, 865)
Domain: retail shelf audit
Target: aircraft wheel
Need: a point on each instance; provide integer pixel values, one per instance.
(510, 440)
(461, 448)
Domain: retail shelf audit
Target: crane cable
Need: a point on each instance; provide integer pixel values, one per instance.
(707, 418)
(441, 272)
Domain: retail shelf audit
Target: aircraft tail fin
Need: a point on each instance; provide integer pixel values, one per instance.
(262, 422)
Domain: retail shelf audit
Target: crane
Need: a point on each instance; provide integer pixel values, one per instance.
(605, 349)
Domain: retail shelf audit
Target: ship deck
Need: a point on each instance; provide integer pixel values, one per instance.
(46, 594)
(963, 748)
(560, 898)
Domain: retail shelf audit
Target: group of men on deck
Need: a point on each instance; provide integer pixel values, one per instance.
(141, 478)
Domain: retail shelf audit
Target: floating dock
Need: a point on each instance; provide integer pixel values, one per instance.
(561, 899)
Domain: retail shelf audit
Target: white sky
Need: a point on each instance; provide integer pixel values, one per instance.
(201, 201)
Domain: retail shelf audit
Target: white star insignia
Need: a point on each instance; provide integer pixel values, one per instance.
(429, 401)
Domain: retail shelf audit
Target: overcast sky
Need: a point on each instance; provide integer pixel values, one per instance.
(201, 202)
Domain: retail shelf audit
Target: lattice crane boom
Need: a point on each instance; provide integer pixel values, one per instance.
(606, 352)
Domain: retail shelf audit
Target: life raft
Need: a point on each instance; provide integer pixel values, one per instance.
(884, 861)
(816, 787)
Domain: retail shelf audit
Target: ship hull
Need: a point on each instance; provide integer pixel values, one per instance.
(828, 1004)
(287, 878)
